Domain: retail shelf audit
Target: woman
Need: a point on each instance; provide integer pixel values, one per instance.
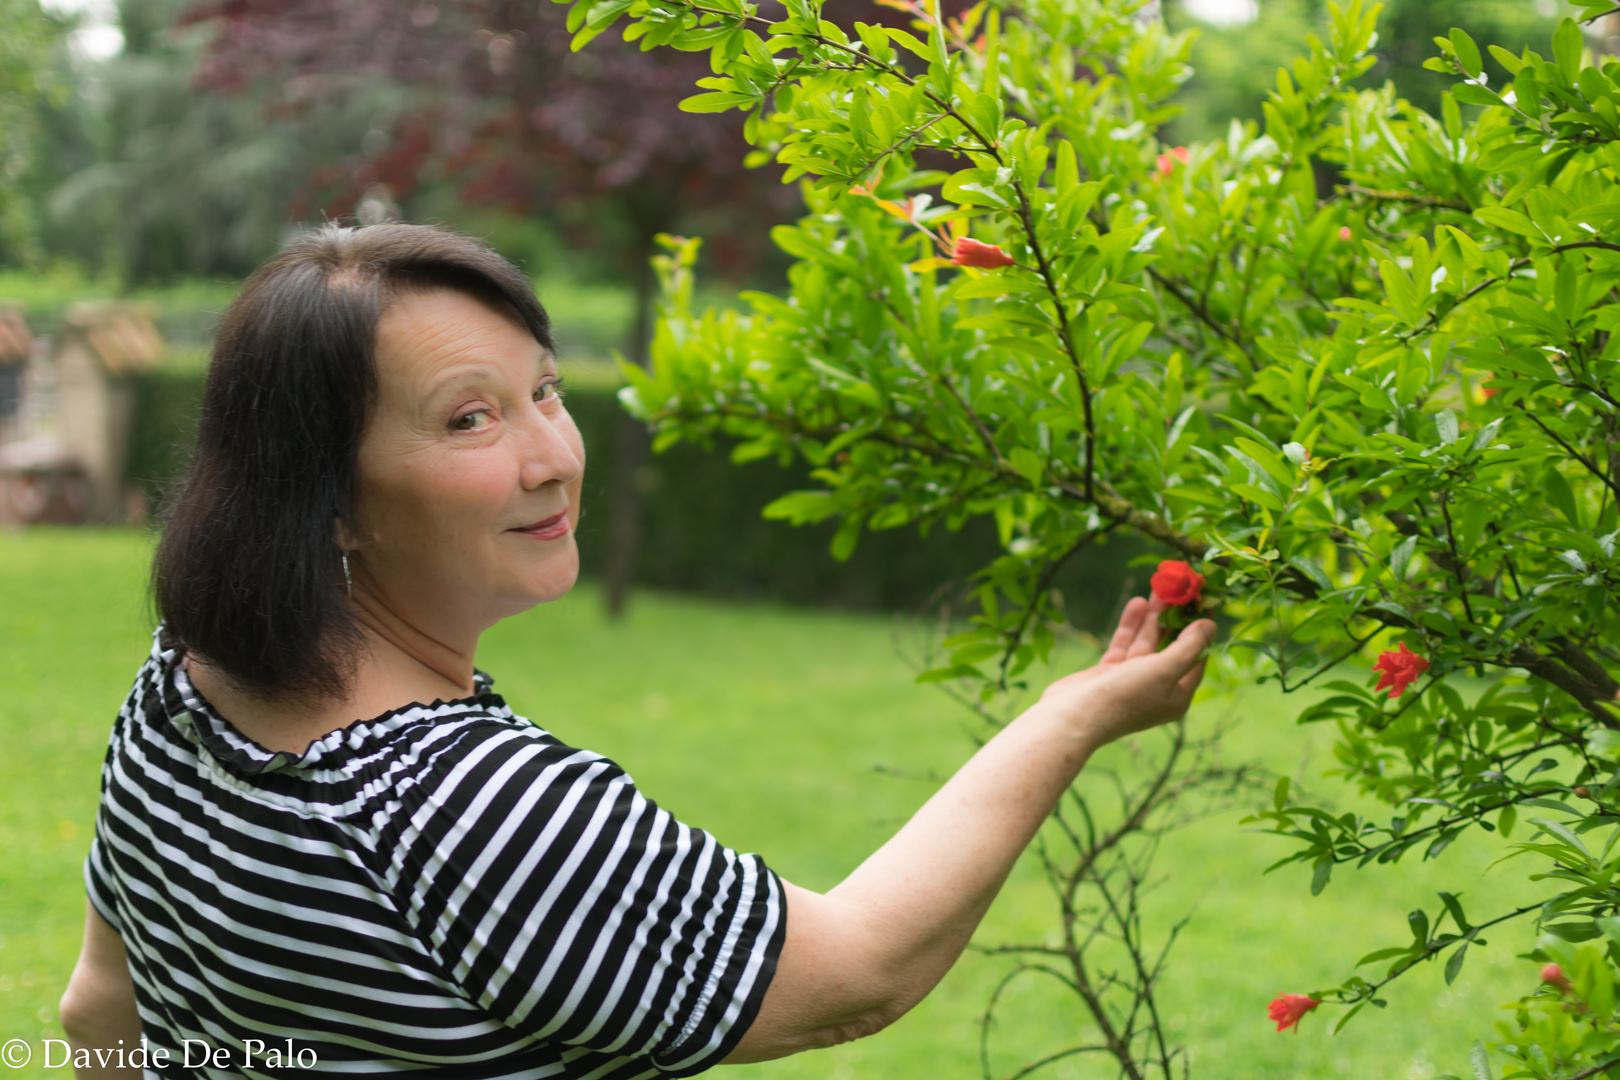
(323, 837)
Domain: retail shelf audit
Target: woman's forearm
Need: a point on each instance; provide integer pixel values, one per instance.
(871, 948)
(926, 890)
(98, 1010)
(859, 957)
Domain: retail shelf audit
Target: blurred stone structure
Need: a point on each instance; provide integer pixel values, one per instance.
(65, 409)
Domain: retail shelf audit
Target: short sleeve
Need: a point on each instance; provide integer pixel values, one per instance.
(574, 909)
(98, 884)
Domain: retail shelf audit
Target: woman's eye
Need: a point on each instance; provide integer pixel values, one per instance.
(547, 391)
(472, 421)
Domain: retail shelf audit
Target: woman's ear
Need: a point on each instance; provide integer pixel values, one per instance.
(343, 536)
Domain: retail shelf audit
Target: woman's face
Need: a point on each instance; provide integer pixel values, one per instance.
(469, 473)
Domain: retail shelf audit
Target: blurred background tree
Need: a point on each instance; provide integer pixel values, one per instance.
(29, 41)
(218, 127)
(207, 131)
(183, 180)
(1244, 42)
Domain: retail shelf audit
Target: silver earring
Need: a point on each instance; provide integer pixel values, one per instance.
(348, 581)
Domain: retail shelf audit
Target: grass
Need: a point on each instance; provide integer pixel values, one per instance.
(764, 725)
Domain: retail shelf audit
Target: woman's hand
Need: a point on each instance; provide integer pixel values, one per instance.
(860, 956)
(1134, 686)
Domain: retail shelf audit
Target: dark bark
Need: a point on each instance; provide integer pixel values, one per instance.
(631, 448)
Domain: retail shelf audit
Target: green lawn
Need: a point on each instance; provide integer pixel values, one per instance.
(764, 725)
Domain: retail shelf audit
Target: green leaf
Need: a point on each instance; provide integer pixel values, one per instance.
(1481, 1061)
(1562, 832)
(992, 285)
(1467, 53)
(1320, 876)
(1603, 742)
(968, 637)
(1401, 557)
(1454, 906)
(1279, 798)
(1268, 460)
(1345, 1019)
(1561, 496)
(717, 101)
(1511, 220)
(1513, 64)
(849, 532)
(1445, 422)
(1029, 465)
(1259, 495)
(1454, 965)
(1567, 45)
(801, 507)
(973, 654)
(1474, 94)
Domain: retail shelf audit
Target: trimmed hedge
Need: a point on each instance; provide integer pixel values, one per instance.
(701, 524)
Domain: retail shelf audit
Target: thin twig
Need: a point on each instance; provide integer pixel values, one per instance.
(1590, 465)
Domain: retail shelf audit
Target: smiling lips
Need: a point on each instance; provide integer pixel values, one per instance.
(554, 527)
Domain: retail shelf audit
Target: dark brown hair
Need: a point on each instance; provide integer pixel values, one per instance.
(248, 575)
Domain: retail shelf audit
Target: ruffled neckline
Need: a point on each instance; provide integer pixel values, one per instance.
(188, 710)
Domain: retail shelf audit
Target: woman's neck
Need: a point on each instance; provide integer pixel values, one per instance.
(392, 670)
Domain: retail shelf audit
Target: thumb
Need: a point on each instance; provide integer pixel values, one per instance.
(1189, 646)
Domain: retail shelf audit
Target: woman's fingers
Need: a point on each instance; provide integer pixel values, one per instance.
(1146, 641)
(1130, 623)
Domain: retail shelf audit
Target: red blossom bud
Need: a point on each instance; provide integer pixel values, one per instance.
(1167, 162)
(1398, 669)
(1554, 976)
(1344, 232)
(1289, 1009)
(1177, 583)
(970, 252)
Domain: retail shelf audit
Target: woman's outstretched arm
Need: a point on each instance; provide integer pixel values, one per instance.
(857, 958)
(98, 1009)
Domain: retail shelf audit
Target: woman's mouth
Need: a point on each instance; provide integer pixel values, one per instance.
(554, 527)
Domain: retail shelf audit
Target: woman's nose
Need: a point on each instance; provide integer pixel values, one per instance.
(551, 449)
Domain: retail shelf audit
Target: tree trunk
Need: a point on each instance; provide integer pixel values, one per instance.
(631, 448)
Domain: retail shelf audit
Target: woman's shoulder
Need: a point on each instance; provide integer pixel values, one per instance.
(402, 747)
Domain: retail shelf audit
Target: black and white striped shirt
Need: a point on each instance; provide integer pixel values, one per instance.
(443, 891)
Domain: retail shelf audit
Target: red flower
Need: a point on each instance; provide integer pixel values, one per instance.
(1344, 232)
(1167, 162)
(1289, 1009)
(1176, 583)
(1554, 976)
(1399, 670)
(969, 252)
(1489, 392)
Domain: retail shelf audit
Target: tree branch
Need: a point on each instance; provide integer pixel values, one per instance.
(1407, 198)
(1590, 465)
